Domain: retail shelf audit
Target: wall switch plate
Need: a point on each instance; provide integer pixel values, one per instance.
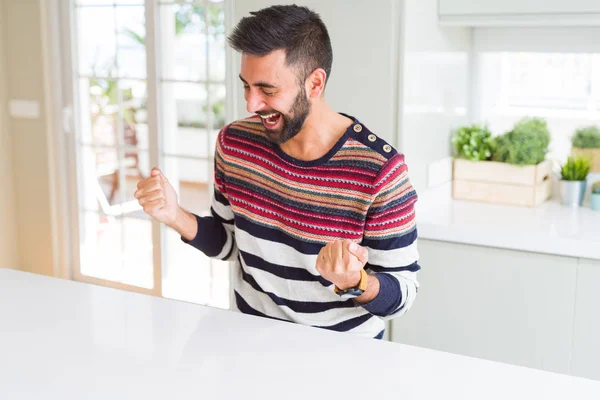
(439, 172)
(28, 109)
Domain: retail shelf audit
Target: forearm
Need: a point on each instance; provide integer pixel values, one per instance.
(371, 292)
(185, 224)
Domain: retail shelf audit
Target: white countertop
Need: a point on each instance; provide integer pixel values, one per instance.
(549, 228)
(66, 340)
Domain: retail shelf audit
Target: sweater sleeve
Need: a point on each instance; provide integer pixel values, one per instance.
(391, 241)
(216, 236)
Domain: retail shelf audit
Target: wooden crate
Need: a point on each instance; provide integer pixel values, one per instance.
(495, 182)
(592, 154)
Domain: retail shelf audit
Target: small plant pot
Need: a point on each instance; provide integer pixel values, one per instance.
(572, 192)
(596, 201)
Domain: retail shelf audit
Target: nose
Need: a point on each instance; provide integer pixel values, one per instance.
(254, 102)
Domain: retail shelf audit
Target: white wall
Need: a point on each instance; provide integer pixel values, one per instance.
(364, 36)
(8, 239)
(435, 87)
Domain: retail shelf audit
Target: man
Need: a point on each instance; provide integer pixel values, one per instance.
(316, 211)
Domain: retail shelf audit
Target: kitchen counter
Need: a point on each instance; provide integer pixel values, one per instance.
(550, 228)
(67, 340)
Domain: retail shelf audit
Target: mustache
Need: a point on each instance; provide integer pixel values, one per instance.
(263, 113)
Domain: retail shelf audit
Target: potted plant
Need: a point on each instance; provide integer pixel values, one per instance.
(586, 142)
(473, 142)
(508, 169)
(526, 144)
(572, 186)
(596, 196)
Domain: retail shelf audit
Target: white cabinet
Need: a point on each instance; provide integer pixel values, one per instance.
(586, 341)
(495, 304)
(523, 12)
(505, 7)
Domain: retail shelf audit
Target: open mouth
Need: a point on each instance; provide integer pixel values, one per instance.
(271, 121)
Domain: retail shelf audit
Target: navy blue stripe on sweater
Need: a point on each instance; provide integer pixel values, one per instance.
(306, 307)
(276, 235)
(210, 238)
(389, 298)
(281, 271)
(245, 308)
(392, 243)
(349, 324)
(414, 267)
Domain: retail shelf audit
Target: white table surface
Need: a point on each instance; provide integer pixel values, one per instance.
(550, 228)
(66, 340)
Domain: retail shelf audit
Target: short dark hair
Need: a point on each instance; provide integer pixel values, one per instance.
(295, 29)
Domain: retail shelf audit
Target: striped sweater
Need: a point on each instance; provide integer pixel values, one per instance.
(272, 214)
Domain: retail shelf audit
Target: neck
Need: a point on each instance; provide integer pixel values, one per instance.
(321, 131)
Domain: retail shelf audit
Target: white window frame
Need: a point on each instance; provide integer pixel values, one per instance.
(519, 39)
(62, 86)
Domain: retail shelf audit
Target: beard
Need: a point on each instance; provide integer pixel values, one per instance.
(292, 122)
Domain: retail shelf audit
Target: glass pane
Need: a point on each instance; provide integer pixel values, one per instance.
(192, 181)
(131, 39)
(216, 41)
(556, 87)
(217, 99)
(118, 250)
(138, 267)
(189, 275)
(186, 273)
(133, 100)
(183, 29)
(101, 240)
(135, 166)
(184, 119)
(100, 111)
(96, 41)
(108, 2)
(99, 179)
(100, 99)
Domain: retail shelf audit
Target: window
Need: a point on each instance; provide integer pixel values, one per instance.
(563, 88)
(149, 89)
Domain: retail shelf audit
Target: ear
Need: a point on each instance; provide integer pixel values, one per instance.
(315, 83)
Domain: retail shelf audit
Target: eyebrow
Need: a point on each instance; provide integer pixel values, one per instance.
(260, 84)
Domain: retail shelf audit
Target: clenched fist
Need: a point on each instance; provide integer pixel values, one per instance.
(158, 198)
(340, 263)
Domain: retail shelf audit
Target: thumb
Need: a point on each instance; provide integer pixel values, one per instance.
(155, 171)
(360, 252)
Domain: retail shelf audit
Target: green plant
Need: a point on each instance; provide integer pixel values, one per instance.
(526, 144)
(575, 169)
(586, 138)
(473, 142)
(596, 188)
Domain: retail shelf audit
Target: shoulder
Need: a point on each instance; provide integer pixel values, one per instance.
(248, 127)
(367, 146)
(249, 131)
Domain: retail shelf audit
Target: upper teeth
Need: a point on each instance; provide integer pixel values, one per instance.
(268, 116)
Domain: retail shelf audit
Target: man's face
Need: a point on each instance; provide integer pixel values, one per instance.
(271, 90)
